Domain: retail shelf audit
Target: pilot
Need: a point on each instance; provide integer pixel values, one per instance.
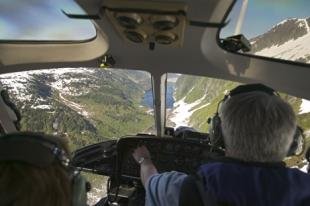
(256, 128)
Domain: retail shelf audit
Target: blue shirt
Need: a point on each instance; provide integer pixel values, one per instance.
(164, 189)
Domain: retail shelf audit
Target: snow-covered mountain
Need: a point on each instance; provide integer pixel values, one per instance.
(37, 87)
(289, 40)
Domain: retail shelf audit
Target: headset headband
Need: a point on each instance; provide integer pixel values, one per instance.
(32, 148)
(250, 88)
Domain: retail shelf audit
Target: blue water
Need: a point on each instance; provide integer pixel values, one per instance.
(169, 96)
(148, 97)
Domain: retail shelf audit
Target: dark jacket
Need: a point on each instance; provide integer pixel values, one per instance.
(235, 183)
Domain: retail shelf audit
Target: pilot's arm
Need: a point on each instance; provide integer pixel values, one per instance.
(147, 168)
(161, 189)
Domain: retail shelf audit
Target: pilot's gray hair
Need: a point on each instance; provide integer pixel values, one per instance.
(257, 127)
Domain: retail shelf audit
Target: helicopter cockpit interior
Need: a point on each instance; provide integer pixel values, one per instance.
(111, 75)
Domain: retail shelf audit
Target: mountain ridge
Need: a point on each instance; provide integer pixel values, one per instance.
(279, 34)
(87, 105)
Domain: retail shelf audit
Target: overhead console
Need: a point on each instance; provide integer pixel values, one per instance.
(148, 22)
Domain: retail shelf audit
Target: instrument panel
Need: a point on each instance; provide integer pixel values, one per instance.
(114, 158)
(167, 154)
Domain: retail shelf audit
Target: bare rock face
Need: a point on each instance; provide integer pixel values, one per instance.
(282, 32)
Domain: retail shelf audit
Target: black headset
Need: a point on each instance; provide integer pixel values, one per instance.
(10, 116)
(215, 130)
(37, 150)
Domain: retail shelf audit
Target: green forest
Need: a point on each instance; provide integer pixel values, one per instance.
(101, 106)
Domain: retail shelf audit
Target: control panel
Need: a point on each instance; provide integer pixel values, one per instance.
(167, 154)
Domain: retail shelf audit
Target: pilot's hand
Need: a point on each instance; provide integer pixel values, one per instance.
(147, 168)
(141, 154)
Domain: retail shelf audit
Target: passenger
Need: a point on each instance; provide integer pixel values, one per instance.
(257, 128)
(34, 171)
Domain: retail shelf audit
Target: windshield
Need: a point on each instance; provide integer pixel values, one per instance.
(277, 29)
(83, 105)
(195, 99)
(43, 20)
(86, 105)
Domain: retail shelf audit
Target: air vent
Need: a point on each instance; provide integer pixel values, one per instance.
(164, 23)
(165, 38)
(148, 22)
(129, 20)
(135, 36)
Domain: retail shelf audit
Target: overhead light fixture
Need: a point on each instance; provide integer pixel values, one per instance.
(165, 38)
(148, 22)
(135, 36)
(164, 23)
(129, 20)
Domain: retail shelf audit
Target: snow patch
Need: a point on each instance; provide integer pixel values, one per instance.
(74, 106)
(150, 111)
(17, 83)
(183, 111)
(304, 107)
(283, 22)
(43, 106)
(300, 21)
(293, 49)
(307, 25)
(200, 107)
(304, 168)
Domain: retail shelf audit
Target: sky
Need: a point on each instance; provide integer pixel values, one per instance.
(42, 20)
(262, 15)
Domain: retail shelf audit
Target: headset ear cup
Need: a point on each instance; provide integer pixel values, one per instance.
(6, 98)
(79, 190)
(297, 145)
(215, 132)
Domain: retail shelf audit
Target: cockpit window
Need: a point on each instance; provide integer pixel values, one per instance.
(84, 105)
(194, 99)
(277, 29)
(43, 20)
(87, 105)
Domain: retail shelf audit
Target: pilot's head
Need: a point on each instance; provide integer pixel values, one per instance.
(31, 173)
(257, 126)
